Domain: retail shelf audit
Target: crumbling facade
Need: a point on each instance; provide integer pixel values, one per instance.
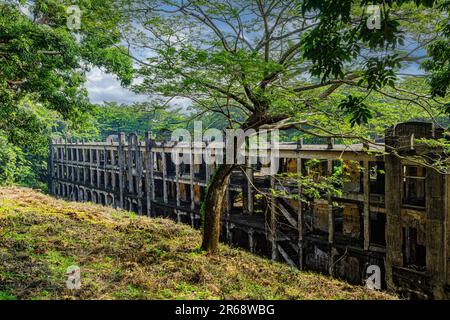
(393, 214)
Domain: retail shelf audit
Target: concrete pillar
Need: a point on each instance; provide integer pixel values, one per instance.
(191, 176)
(50, 167)
(164, 173)
(130, 166)
(250, 182)
(105, 171)
(300, 217)
(394, 256)
(436, 245)
(330, 223)
(121, 168)
(229, 230)
(177, 180)
(207, 165)
(192, 215)
(228, 202)
(273, 223)
(99, 177)
(366, 213)
(251, 243)
(150, 196)
(330, 206)
(135, 170)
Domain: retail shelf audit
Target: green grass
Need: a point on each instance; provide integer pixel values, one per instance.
(124, 256)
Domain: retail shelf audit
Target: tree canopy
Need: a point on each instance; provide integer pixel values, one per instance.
(43, 65)
(274, 60)
(293, 64)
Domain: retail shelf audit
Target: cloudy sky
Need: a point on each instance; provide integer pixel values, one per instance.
(105, 87)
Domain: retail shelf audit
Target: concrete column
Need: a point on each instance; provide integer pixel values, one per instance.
(394, 255)
(273, 223)
(229, 235)
(207, 166)
(140, 171)
(91, 176)
(192, 215)
(250, 197)
(121, 168)
(330, 206)
(366, 212)
(177, 181)
(191, 176)
(228, 202)
(130, 165)
(150, 196)
(113, 180)
(50, 167)
(164, 173)
(251, 243)
(99, 177)
(177, 177)
(330, 223)
(436, 245)
(65, 157)
(105, 171)
(300, 217)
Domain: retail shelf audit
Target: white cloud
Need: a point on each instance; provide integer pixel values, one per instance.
(103, 87)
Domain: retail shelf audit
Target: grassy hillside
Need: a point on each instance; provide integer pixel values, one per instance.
(124, 256)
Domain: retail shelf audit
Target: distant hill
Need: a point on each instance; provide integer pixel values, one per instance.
(124, 256)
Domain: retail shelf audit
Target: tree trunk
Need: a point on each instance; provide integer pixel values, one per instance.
(214, 206)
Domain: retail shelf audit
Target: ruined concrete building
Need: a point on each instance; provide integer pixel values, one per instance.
(393, 214)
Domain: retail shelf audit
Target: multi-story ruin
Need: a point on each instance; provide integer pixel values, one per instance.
(393, 214)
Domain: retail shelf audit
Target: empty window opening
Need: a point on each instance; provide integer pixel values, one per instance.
(171, 192)
(102, 179)
(338, 219)
(376, 177)
(351, 174)
(378, 228)
(288, 165)
(413, 179)
(158, 189)
(170, 165)
(414, 253)
(94, 178)
(236, 200)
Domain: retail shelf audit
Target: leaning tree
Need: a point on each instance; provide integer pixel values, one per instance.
(319, 66)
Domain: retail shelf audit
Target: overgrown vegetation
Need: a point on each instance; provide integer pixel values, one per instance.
(124, 256)
(43, 66)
